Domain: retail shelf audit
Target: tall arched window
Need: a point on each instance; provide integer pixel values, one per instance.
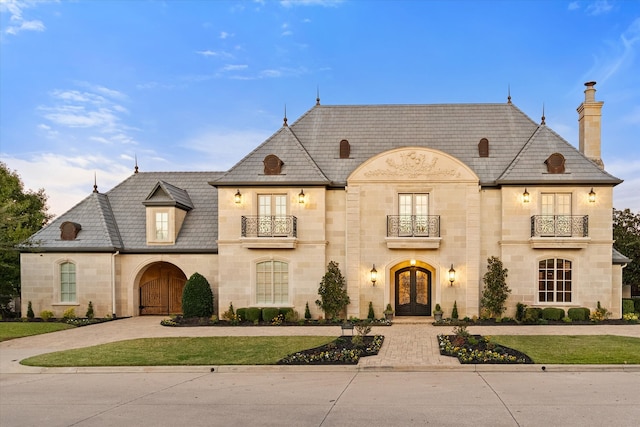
(272, 282)
(554, 280)
(67, 282)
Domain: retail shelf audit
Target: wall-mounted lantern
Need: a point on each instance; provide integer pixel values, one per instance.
(238, 197)
(592, 196)
(301, 197)
(374, 275)
(525, 196)
(452, 275)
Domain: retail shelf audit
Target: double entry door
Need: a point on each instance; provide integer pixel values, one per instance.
(413, 292)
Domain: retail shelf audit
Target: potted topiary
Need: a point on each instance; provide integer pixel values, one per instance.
(437, 313)
(388, 312)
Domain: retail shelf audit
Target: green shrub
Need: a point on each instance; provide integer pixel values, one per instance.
(577, 314)
(90, 313)
(197, 298)
(69, 313)
(284, 311)
(307, 312)
(269, 313)
(291, 316)
(454, 312)
(627, 306)
(242, 313)
(371, 315)
(333, 292)
(253, 314)
(552, 313)
(636, 304)
(600, 314)
(30, 314)
(46, 315)
(231, 315)
(532, 314)
(520, 309)
(495, 291)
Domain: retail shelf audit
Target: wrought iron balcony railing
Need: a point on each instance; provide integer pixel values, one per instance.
(560, 226)
(269, 226)
(413, 225)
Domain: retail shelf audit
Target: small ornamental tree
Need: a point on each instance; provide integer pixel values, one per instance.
(197, 298)
(333, 292)
(496, 291)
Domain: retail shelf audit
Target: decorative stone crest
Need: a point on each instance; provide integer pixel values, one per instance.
(413, 165)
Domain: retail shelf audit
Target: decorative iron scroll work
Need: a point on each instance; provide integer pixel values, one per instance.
(413, 225)
(560, 226)
(269, 226)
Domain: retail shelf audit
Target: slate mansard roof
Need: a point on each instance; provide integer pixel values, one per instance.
(518, 146)
(116, 220)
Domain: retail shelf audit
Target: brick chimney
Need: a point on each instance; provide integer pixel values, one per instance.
(589, 118)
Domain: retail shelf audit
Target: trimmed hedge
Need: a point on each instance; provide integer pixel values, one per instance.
(636, 304)
(253, 314)
(269, 313)
(197, 298)
(284, 311)
(552, 313)
(532, 314)
(242, 314)
(627, 306)
(579, 313)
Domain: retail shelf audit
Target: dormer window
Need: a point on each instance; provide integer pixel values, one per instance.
(272, 165)
(167, 207)
(69, 230)
(345, 149)
(162, 226)
(555, 163)
(483, 147)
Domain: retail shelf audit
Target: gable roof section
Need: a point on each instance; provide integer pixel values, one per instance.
(298, 167)
(165, 194)
(529, 167)
(116, 220)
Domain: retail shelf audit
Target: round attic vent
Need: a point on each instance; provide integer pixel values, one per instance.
(272, 165)
(555, 163)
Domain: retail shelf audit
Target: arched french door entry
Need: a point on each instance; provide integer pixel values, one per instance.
(161, 287)
(413, 291)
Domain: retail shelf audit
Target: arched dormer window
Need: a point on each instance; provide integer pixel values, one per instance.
(345, 149)
(272, 165)
(555, 163)
(483, 147)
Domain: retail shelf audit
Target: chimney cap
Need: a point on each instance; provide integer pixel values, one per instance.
(590, 84)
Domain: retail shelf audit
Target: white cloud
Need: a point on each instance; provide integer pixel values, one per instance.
(15, 8)
(598, 7)
(574, 5)
(231, 67)
(224, 35)
(207, 53)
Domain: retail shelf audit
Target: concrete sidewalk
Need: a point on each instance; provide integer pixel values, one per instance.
(410, 345)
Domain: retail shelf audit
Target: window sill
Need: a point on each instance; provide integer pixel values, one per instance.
(413, 242)
(269, 242)
(62, 304)
(559, 242)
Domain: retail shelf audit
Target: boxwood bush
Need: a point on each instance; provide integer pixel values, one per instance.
(253, 314)
(269, 313)
(284, 311)
(636, 304)
(197, 298)
(532, 314)
(242, 313)
(579, 313)
(552, 313)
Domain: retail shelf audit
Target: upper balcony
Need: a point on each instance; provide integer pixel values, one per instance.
(559, 231)
(413, 231)
(271, 232)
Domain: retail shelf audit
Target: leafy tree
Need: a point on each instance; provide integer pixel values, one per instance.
(197, 298)
(22, 213)
(333, 292)
(495, 291)
(626, 233)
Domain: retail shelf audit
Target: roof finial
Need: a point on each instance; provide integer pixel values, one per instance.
(543, 122)
(95, 182)
(285, 116)
(318, 95)
(509, 94)
(135, 169)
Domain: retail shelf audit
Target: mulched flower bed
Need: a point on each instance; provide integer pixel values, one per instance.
(180, 321)
(477, 349)
(342, 351)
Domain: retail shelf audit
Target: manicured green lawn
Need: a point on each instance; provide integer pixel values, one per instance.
(11, 330)
(575, 349)
(182, 351)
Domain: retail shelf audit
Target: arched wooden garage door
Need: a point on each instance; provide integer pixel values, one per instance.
(161, 288)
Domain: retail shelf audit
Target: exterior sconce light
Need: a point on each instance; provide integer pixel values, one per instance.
(452, 275)
(374, 275)
(301, 197)
(238, 197)
(525, 196)
(592, 196)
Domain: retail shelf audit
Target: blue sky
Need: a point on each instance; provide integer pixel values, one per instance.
(88, 85)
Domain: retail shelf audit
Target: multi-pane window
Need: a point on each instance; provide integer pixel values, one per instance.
(554, 280)
(272, 282)
(272, 215)
(162, 225)
(556, 215)
(67, 282)
(413, 209)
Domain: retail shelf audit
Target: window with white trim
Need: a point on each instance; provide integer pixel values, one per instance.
(162, 225)
(554, 280)
(413, 209)
(272, 282)
(67, 282)
(272, 215)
